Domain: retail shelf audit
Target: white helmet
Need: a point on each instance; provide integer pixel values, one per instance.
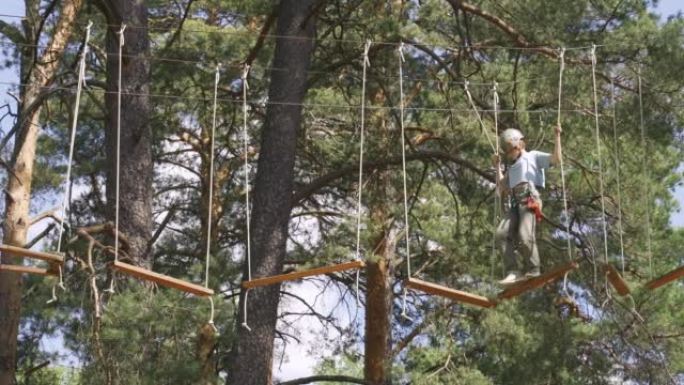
(511, 138)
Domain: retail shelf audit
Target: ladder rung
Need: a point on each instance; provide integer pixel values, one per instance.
(667, 278)
(537, 282)
(161, 279)
(456, 295)
(265, 281)
(22, 252)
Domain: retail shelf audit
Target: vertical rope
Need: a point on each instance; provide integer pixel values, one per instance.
(561, 59)
(497, 193)
(118, 156)
(642, 128)
(245, 87)
(617, 167)
(366, 64)
(479, 118)
(207, 257)
(118, 145)
(72, 141)
(403, 168)
(598, 149)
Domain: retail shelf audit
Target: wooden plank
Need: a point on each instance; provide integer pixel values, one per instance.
(616, 279)
(667, 278)
(25, 270)
(22, 252)
(456, 295)
(161, 279)
(537, 282)
(265, 281)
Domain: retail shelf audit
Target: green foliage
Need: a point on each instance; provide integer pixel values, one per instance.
(148, 336)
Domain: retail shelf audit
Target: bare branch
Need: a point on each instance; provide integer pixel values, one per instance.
(324, 378)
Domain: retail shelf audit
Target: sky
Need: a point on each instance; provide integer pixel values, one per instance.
(299, 361)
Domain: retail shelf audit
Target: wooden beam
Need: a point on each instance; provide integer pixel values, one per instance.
(161, 279)
(616, 279)
(26, 253)
(533, 283)
(456, 295)
(25, 270)
(265, 281)
(667, 278)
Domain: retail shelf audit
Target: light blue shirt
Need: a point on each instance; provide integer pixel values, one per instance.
(529, 167)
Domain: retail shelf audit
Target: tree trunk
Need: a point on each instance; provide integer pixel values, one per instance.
(252, 355)
(379, 296)
(136, 167)
(378, 344)
(18, 193)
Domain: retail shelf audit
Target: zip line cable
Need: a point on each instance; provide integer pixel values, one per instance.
(262, 103)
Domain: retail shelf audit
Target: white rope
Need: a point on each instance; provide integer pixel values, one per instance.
(561, 58)
(479, 118)
(245, 87)
(497, 192)
(118, 146)
(72, 141)
(617, 166)
(403, 168)
(207, 257)
(403, 157)
(600, 163)
(366, 64)
(647, 187)
(118, 158)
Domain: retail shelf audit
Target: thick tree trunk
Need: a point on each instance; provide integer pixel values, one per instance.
(252, 356)
(18, 192)
(136, 167)
(378, 343)
(377, 360)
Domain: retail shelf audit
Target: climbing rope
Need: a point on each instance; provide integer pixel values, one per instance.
(647, 195)
(366, 64)
(118, 146)
(617, 166)
(245, 87)
(600, 164)
(566, 215)
(118, 155)
(497, 193)
(479, 119)
(207, 257)
(403, 168)
(72, 141)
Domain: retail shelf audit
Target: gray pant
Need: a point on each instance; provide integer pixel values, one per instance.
(517, 233)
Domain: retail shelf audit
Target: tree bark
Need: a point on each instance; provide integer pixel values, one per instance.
(252, 355)
(379, 295)
(136, 166)
(37, 75)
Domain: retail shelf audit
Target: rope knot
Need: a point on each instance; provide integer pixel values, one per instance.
(121, 34)
(366, 48)
(245, 74)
